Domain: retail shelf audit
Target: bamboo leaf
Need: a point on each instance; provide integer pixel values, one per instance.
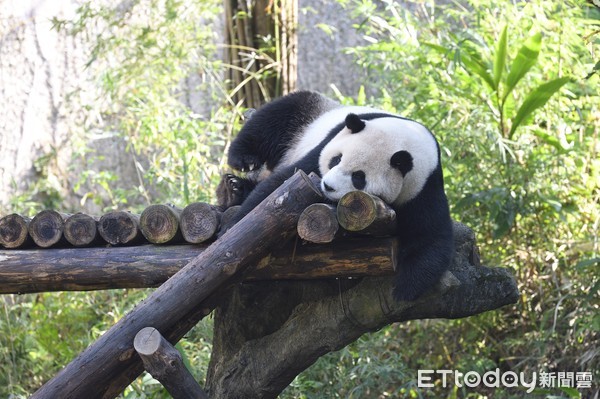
(525, 59)
(536, 99)
(500, 57)
(473, 63)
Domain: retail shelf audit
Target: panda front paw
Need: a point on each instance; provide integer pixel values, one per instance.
(233, 190)
(245, 163)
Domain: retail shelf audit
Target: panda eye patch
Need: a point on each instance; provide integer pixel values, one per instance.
(335, 161)
(359, 180)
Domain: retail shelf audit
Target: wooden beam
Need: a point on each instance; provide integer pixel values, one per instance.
(82, 230)
(46, 228)
(199, 222)
(87, 269)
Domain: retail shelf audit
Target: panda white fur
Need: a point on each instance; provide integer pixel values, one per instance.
(351, 148)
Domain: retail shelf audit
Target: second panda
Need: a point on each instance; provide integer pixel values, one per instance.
(351, 148)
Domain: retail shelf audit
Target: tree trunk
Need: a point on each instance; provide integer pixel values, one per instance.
(267, 333)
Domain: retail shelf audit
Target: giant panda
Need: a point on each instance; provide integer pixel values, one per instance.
(350, 148)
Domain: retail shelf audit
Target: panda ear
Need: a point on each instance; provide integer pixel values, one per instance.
(403, 161)
(354, 123)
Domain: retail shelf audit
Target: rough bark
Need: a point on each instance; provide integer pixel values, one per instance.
(267, 333)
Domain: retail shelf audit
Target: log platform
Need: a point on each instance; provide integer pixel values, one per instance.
(279, 240)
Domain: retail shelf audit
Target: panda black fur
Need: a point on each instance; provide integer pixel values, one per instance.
(351, 148)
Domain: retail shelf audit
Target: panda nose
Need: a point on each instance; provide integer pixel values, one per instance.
(328, 188)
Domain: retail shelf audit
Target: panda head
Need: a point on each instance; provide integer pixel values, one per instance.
(388, 156)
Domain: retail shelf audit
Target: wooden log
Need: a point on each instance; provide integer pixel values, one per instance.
(81, 230)
(120, 227)
(353, 257)
(228, 214)
(362, 212)
(165, 364)
(160, 224)
(107, 366)
(46, 228)
(318, 223)
(14, 231)
(199, 222)
(87, 269)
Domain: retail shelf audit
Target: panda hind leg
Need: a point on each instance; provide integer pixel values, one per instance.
(420, 270)
(233, 190)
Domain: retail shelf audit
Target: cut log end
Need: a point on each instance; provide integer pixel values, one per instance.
(120, 228)
(358, 211)
(46, 228)
(199, 222)
(147, 341)
(81, 230)
(160, 224)
(14, 231)
(318, 223)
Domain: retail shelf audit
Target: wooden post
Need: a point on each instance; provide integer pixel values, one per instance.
(81, 230)
(107, 366)
(120, 228)
(164, 363)
(160, 224)
(14, 231)
(318, 223)
(199, 222)
(360, 211)
(46, 228)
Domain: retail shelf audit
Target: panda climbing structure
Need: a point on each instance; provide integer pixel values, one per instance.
(351, 148)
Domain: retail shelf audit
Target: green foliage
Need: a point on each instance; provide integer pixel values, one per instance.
(507, 90)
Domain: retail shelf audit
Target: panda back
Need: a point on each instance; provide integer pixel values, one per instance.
(320, 130)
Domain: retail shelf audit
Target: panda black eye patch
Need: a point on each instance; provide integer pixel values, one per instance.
(335, 161)
(359, 180)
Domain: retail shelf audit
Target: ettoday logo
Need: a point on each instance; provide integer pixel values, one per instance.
(508, 379)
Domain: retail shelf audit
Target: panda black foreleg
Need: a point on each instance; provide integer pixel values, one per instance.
(259, 192)
(420, 267)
